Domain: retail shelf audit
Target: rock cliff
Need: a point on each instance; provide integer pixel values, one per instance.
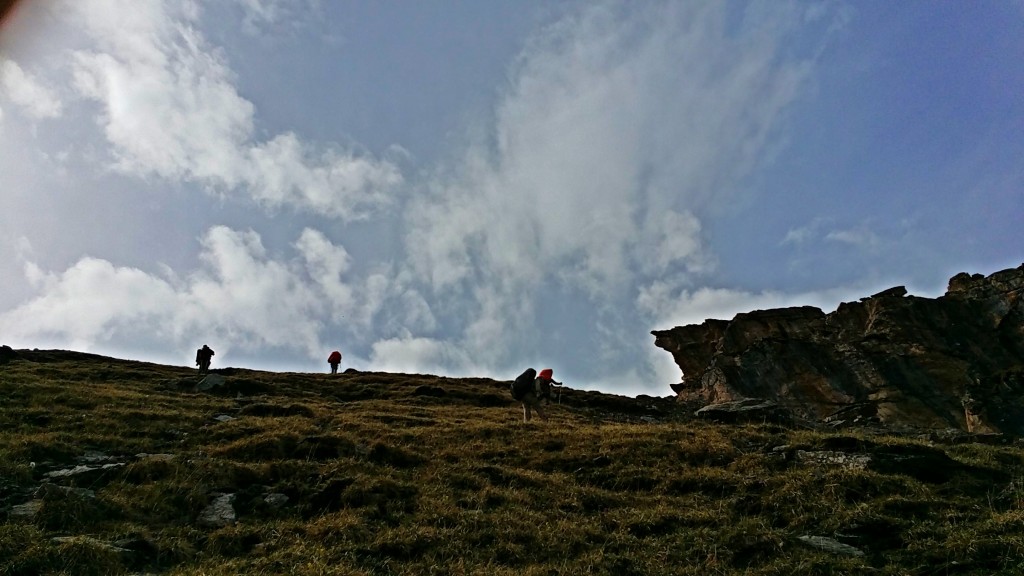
(956, 361)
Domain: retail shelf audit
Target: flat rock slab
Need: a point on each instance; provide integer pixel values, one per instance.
(219, 513)
(829, 545)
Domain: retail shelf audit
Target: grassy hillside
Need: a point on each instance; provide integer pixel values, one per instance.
(372, 473)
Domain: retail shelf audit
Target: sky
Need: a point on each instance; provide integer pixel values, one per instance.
(468, 188)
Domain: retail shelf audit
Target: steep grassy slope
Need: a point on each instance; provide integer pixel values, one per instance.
(415, 474)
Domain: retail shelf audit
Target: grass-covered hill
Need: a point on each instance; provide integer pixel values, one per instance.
(111, 466)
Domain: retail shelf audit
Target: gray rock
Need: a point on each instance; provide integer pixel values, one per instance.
(829, 545)
(54, 491)
(219, 513)
(90, 541)
(82, 471)
(210, 382)
(223, 418)
(744, 410)
(855, 461)
(275, 500)
(26, 510)
(162, 457)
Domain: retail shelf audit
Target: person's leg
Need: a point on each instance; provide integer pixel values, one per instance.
(540, 412)
(526, 412)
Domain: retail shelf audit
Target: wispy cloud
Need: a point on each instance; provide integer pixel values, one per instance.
(26, 91)
(861, 237)
(617, 132)
(827, 229)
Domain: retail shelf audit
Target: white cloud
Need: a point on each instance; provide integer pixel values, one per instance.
(26, 91)
(170, 109)
(674, 307)
(240, 298)
(618, 132)
(825, 229)
(861, 237)
(423, 355)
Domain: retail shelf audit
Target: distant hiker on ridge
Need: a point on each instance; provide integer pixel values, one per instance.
(203, 357)
(334, 359)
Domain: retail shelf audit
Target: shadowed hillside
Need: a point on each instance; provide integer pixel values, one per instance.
(118, 467)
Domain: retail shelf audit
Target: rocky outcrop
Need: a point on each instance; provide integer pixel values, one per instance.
(956, 361)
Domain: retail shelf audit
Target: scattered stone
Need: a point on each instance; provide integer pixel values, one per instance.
(219, 513)
(842, 459)
(91, 542)
(26, 510)
(82, 472)
(53, 491)
(161, 457)
(93, 457)
(223, 418)
(829, 545)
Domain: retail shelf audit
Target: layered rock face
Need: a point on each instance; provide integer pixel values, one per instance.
(956, 361)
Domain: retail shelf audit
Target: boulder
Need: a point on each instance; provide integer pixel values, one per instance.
(219, 513)
(956, 361)
(743, 410)
(210, 382)
(7, 354)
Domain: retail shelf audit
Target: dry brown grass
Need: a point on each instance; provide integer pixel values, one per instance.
(415, 474)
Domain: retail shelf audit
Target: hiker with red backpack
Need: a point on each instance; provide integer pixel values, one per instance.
(544, 381)
(334, 359)
(530, 389)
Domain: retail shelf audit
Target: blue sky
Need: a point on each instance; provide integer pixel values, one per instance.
(471, 188)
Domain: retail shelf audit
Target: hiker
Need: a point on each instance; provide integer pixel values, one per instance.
(524, 389)
(203, 357)
(334, 359)
(543, 386)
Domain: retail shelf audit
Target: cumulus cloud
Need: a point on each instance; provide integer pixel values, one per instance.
(27, 92)
(410, 354)
(239, 297)
(170, 109)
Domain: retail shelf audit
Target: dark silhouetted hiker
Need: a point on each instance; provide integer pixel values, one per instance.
(203, 357)
(334, 359)
(524, 389)
(543, 386)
